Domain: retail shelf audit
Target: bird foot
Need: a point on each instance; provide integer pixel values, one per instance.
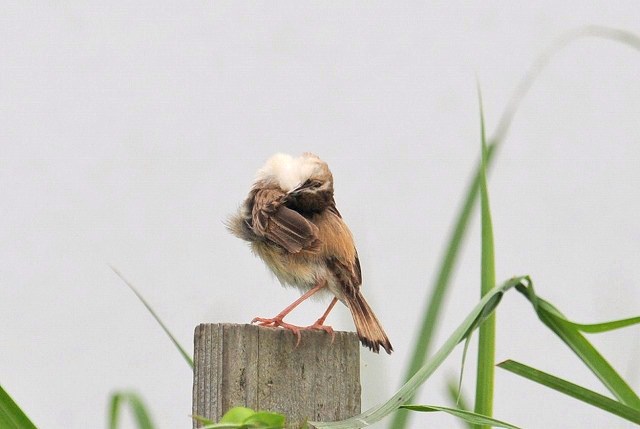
(277, 322)
(318, 326)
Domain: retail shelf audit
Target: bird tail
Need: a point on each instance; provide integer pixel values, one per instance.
(368, 327)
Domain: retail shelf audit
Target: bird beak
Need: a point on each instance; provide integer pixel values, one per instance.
(299, 188)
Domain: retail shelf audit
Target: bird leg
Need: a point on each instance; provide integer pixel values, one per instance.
(319, 324)
(277, 320)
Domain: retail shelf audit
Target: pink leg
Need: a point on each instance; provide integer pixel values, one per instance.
(277, 321)
(319, 324)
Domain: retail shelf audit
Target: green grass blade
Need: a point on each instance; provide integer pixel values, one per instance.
(597, 328)
(434, 300)
(573, 390)
(119, 400)
(464, 358)
(488, 272)
(187, 357)
(555, 321)
(616, 35)
(375, 414)
(593, 328)
(487, 331)
(467, 416)
(11, 416)
(431, 317)
(457, 398)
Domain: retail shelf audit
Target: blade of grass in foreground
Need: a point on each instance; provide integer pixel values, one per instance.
(457, 398)
(11, 416)
(140, 413)
(487, 331)
(573, 390)
(465, 415)
(175, 342)
(555, 320)
(439, 288)
(483, 309)
(441, 284)
(590, 328)
(597, 328)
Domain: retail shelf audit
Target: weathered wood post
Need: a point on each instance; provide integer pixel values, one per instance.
(261, 368)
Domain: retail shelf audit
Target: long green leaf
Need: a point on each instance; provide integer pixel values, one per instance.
(573, 390)
(487, 331)
(457, 398)
(458, 389)
(187, 357)
(140, 413)
(465, 415)
(596, 328)
(555, 320)
(375, 414)
(434, 300)
(591, 328)
(623, 37)
(11, 416)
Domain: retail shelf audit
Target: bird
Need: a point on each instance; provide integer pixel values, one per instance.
(291, 222)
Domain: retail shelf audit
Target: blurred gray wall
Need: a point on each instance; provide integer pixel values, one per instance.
(129, 131)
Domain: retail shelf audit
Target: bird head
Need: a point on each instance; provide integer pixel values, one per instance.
(306, 173)
(314, 175)
(306, 179)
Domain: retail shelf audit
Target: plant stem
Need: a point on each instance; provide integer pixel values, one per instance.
(486, 340)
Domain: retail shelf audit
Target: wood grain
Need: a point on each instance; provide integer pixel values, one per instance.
(261, 368)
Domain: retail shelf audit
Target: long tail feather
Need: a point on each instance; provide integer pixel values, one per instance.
(368, 327)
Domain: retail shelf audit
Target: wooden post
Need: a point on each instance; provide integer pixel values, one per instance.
(261, 368)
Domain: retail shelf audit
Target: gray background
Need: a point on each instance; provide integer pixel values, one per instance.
(130, 131)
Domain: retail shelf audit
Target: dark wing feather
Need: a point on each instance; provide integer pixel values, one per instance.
(348, 274)
(357, 271)
(280, 224)
(292, 231)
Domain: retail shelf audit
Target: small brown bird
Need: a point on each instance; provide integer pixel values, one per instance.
(291, 220)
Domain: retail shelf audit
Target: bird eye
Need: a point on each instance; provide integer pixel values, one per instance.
(309, 184)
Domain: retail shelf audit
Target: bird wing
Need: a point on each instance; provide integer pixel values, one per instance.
(347, 273)
(343, 258)
(280, 224)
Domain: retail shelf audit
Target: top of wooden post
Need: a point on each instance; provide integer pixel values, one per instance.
(261, 368)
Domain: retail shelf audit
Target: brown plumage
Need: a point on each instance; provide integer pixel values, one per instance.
(291, 220)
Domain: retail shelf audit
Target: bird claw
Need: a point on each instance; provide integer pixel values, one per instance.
(318, 326)
(277, 322)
